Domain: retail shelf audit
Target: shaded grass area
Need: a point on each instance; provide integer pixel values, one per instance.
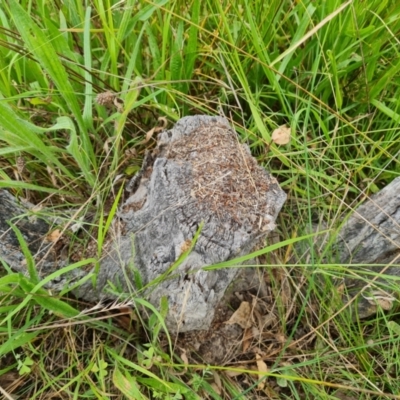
(327, 69)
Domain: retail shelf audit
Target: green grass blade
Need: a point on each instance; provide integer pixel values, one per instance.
(88, 107)
(75, 148)
(386, 110)
(127, 384)
(47, 301)
(9, 184)
(42, 49)
(137, 368)
(30, 263)
(16, 341)
(17, 132)
(191, 50)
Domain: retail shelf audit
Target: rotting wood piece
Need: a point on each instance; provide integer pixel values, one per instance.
(371, 236)
(198, 173)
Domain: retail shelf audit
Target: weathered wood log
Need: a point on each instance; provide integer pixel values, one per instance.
(198, 174)
(370, 236)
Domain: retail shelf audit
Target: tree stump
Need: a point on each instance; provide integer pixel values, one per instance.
(199, 178)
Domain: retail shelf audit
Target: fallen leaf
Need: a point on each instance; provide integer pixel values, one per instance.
(106, 145)
(119, 104)
(241, 316)
(149, 135)
(164, 122)
(232, 374)
(262, 367)
(247, 337)
(381, 298)
(131, 153)
(217, 384)
(54, 236)
(281, 135)
(185, 359)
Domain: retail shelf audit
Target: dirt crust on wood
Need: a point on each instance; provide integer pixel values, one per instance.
(225, 177)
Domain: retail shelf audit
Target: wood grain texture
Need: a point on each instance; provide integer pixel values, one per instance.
(371, 235)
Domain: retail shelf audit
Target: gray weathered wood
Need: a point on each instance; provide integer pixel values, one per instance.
(370, 236)
(198, 174)
(372, 232)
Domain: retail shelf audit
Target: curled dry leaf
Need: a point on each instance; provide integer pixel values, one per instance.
(262, 367)
(149, 135)
(241, 316)
(119, 104)
(156, 129)
(53, 236)
(163, 122)
(185, 359)
(281, 135)
(106, 145)
(381, 298)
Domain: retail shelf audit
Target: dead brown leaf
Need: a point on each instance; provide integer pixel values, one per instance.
(233, 373)
(381, 298)
(164, 122)
(185, 359)
(52, 176)
(247, 337)
(119, 104)
(281, 135)
(242, 316)
(156, 129)
(54, 236)
(217, 384)
(262, 367)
